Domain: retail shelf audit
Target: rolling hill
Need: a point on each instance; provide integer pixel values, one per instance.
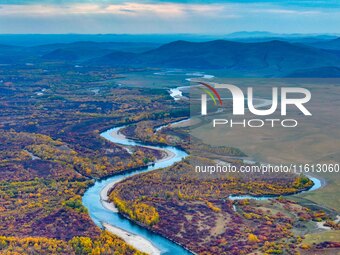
(321, 72)
(274, 58)
(333, 44)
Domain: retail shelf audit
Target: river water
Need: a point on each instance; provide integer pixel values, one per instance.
(317, 184)
(100, 214)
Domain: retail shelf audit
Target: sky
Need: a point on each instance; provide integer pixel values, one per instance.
(168, 16)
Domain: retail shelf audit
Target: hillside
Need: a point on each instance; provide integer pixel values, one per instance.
(321, 72)
(274, 58)
(333, 44)
(244, 59)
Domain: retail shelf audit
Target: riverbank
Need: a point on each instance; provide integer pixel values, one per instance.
(116, 136)
(323, 181)
(318, 183)
(106, 215)
(104, 193)
(167, 154)
(136, 241)
(104, 197)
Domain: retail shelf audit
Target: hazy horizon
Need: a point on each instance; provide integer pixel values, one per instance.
(196, 34)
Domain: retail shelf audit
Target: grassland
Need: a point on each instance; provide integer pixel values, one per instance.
(316, 139)
(51, 150)
(322, 237)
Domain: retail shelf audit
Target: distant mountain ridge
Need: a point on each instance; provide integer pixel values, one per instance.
(84, 50)
(272, 58)
(333, 44)
(262, 58)
(321, 72)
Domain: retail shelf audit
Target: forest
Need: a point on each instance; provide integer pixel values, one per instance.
(51, 151)
(207, 222)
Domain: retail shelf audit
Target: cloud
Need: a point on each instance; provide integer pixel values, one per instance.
(166, 9)
(287, 11)
(296, 3)
(168, 16)
(127, 10)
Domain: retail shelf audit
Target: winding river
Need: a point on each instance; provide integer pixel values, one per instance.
(100, 214)
(105, 214)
